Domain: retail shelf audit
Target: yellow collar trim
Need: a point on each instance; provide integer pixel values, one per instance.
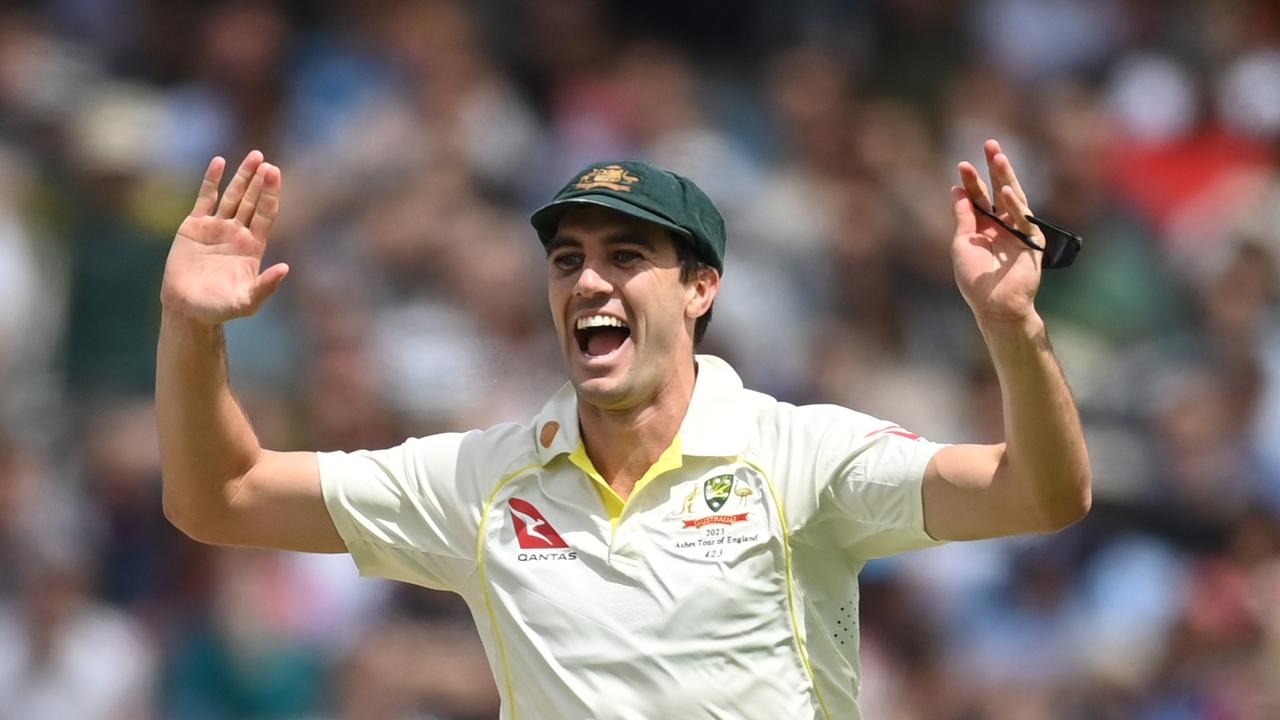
(671, 459)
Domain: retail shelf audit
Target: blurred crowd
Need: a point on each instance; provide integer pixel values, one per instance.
(415, 136)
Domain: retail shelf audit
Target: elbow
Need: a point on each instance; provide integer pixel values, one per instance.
(1072, 513)
(190, 518)
(181, 515)
(1070, 508)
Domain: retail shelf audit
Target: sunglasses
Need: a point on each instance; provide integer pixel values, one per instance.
(1060, 244)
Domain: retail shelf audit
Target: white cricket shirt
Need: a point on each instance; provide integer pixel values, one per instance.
(724, 587)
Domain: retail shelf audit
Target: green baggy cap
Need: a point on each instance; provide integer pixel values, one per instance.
(645, 192)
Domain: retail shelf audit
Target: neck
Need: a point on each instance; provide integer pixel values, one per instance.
(623, 444)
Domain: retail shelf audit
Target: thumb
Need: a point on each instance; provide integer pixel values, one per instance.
(966, 220)
(266, 284)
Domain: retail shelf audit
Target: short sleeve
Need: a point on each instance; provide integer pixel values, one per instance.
(868, 477)
(404, 512)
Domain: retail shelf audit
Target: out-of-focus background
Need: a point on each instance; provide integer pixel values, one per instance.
(415, 138)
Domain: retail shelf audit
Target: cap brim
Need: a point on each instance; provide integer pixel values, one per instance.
(547, 218)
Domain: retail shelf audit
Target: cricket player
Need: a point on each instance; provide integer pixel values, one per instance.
(659, 541)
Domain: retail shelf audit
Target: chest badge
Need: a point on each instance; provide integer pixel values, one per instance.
(716, 491)
(726, 500)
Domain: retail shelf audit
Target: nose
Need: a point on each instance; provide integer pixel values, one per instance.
(590, 282)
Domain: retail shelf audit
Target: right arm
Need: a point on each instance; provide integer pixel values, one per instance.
(220, 485)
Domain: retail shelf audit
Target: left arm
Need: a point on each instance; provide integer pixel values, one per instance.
(1038, 480)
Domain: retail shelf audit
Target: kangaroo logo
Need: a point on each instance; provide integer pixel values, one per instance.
(533, 532)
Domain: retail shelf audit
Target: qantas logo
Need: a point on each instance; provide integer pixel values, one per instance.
(533, 532)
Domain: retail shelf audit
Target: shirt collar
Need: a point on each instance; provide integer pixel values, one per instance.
(716, 424)
(555, 429)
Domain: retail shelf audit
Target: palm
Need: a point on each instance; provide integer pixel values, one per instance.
(212, 274)
(997, 274)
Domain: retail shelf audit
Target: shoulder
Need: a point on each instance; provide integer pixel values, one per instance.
(493, 445)
(463, 465)
(782, 419)
(813, 443)
(498, 450)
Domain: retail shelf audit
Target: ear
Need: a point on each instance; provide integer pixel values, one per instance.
(702, 292)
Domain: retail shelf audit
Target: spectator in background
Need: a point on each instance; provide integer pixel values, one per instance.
(63, 654)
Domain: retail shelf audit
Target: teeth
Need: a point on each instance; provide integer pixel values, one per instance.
(594, 321)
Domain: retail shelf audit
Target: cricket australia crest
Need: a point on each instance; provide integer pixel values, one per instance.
(716, 491)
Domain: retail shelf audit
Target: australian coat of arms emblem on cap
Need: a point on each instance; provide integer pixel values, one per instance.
(614, 177)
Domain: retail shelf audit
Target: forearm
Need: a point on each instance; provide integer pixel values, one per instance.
(206, 443)
(1045, 454)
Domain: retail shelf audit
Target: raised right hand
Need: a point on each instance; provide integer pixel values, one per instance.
(212, 274)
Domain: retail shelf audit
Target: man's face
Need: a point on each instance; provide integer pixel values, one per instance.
(622, 314)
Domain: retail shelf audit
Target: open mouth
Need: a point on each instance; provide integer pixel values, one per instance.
(600, 335)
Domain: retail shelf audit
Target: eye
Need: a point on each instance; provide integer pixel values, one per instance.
(567, 262)
(626, 257)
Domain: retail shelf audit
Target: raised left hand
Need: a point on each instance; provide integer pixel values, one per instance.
(997, 273)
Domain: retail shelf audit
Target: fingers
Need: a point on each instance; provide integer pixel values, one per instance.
(266, 285)
(991, 148)
(207, 197)
(1009, 210)
(249, 204)
(973, 185)
(267, 205)
(966, 218)
(235, 190)
(1018, 211)
(1001, 169)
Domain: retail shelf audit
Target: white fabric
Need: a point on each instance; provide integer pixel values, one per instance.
(688, 607)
